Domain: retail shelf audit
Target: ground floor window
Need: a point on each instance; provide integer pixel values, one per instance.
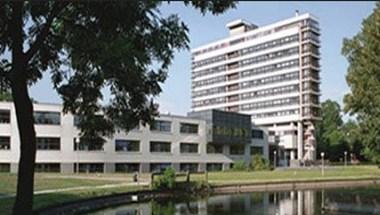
(127, 167)
(5, 143)
(159, 167)
(47, 167)
(191, 167)
(256, 150)
(90, 167)
(237, 149)
(214, 149)
(5, 167)
(214, 167)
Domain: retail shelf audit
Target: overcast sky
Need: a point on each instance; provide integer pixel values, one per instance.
(338, 20)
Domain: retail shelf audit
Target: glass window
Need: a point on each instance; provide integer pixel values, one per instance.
(159, 167)
(189, 147)
(47, 167)
(48, 143)
(214, 167)
(5, 143)
(127, 145)
(160, 146)
(237, 149)
(191, 167)
(256, 150)
(214, 149)
(5, 167)
(47, 118)
(257, 134)
(90, 167)
(189, 128)
(127, 167)
(5, 116)
(160, 125)
(89, 145)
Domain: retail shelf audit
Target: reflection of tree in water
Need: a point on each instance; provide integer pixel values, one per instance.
(162, 207)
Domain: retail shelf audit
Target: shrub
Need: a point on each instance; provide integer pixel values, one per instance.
(239, 165)
(166, 181)
(259, 163)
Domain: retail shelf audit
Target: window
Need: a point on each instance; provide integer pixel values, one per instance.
(191, 167)
(160, 125)
(89, 145)
(257, 134)
(214, 149)
(127, 167)
(256, 150)
(160, 146)
(237, 149)
(47, 118)
(127, 145)
(47, 167)
(189, 147)
(5, 143)
(5, 116)
(214, 167)
(90, 167)
(159, 167)
(189, 128)
(5, 167)
(48, 143)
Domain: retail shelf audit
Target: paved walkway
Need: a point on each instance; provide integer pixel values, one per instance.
(81, 188)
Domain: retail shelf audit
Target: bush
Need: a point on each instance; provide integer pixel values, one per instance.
(259, 163)
(166, 181)
(239, 166)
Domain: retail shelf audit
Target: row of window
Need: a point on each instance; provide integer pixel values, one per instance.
(255, 48)
(238, 149)
(305, 22)
(275, 113)
(271, 103)
(250, 72)
(254, 60)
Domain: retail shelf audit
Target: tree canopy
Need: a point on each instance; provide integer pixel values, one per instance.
(363, 78)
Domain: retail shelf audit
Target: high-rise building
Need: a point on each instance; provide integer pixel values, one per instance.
(269, 72)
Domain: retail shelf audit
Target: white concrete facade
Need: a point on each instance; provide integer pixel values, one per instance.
(64, 156)
(269, 72)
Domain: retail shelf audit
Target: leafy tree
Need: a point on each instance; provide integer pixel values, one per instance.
(362, 52)
(87, 46)
(259, 163)
(5, 96)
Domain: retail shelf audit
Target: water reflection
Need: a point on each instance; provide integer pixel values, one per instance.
(309, 202)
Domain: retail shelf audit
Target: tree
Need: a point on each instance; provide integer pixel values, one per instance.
(363, 78)
(124, 47)
(330, 136)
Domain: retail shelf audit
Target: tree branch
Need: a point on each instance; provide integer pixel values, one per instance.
(57, 8)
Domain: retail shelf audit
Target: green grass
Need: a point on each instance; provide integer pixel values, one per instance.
(56, 181)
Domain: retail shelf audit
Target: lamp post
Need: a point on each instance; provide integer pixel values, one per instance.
(274, 158)
(323, 163)
(77, 148)
(345, 159)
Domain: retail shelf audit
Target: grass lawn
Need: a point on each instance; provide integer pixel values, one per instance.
(57, 181)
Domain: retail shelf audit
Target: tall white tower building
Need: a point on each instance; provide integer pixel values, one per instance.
(270, 72)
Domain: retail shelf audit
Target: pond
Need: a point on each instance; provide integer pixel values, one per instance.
(364, 200)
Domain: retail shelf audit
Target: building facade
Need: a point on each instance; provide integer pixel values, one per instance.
(181, 142)
(269, 72)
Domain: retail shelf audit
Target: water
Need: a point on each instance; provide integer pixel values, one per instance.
(308, 202)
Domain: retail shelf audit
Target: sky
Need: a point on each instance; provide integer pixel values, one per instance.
(337, 20)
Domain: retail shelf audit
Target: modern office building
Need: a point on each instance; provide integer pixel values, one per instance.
(270, 72)
(186, 143)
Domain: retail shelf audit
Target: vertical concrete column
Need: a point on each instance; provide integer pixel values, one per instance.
(14, 168)
(299, 140)
(145, 167)
(202, 167)
(109, 167)
(299, 202)
(247, 153)
(176, 166)
(226, 166)
(292, 154)
(67, 167)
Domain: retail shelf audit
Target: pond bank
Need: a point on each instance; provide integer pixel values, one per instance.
(97, 203)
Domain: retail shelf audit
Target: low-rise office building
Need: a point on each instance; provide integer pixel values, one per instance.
(191, 143)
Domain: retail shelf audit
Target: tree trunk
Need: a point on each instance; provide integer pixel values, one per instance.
(24, 114)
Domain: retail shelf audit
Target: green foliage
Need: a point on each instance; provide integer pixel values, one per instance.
(163, 208)
(259, 163)
(5, 96)
(165, 181)
(362, 52)
(239, 165)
